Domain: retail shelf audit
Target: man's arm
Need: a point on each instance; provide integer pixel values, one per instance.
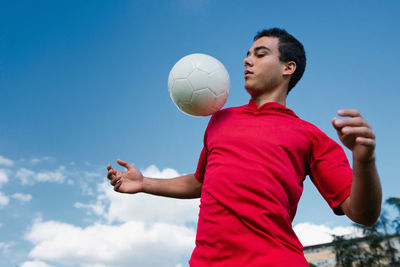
(363, 206)
(132, 181)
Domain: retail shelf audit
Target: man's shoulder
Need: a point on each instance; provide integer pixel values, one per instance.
(310, 126)
(228, 110)
(315, 134)
(313, 131)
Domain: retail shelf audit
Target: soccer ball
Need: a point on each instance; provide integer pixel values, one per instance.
(198, 84)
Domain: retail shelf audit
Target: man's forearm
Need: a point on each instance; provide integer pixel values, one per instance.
(366, 193)
(184, 187)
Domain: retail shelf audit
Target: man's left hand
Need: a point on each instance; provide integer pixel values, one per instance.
(356, 134)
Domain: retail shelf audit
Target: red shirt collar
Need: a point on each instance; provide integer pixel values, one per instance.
(270, 106)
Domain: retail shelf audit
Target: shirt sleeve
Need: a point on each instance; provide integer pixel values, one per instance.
(201, 165)
(330, 171)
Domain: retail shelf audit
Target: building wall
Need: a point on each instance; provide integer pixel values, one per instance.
(323, 255)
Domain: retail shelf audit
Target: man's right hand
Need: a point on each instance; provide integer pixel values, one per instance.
(130, 181)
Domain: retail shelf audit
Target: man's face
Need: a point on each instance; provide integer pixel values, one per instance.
(263, 69)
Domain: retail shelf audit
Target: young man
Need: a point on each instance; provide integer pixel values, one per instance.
(255, 158)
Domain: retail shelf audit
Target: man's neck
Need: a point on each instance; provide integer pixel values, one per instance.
(277, 96)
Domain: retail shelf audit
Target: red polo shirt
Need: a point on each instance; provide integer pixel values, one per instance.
(252, 167)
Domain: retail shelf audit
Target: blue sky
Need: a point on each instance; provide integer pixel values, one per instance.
(83, 83)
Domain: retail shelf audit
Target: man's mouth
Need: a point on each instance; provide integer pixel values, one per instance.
(247, 73)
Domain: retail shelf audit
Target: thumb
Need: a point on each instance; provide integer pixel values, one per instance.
(124, 164)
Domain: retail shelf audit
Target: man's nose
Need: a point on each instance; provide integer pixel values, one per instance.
(247, 61)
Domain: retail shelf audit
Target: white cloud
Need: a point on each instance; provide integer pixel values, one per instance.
(144, 207)
(35, 161)
(92, 174)
(22, 197)
(5, 247)
(312, 234)
(129, 244)
(153, 171)
(97, 208)
(3, 177)
(86, 189)
(4, 200)
(25, 175)
(35, 264)
(29, 177)
(86, 184)
(6, 162)
(56, 176)
(151, 231)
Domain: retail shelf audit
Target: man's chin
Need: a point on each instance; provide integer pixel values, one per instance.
(251, 90)
(248, 86)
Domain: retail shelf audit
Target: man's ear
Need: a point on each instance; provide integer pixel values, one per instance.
(289, 68)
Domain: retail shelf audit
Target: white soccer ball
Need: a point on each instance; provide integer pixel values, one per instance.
(199, 84)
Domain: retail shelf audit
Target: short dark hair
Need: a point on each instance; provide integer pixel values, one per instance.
(290, 49)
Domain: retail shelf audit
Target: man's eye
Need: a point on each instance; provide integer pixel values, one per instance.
(260, 55)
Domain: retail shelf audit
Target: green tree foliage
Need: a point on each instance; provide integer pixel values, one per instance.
(390, 250)
(374, 254)
(369, 251)
(395, 202)
(347, 251)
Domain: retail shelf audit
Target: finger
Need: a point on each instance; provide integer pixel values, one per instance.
(358, 132)
(348, 113)
(124, 164)
(334, 123)
(109, 167)
(114, 181)
(111, 174)
(354, 122)
(117, 186)
(370, 142)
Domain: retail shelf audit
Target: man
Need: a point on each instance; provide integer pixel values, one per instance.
(254, 161)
